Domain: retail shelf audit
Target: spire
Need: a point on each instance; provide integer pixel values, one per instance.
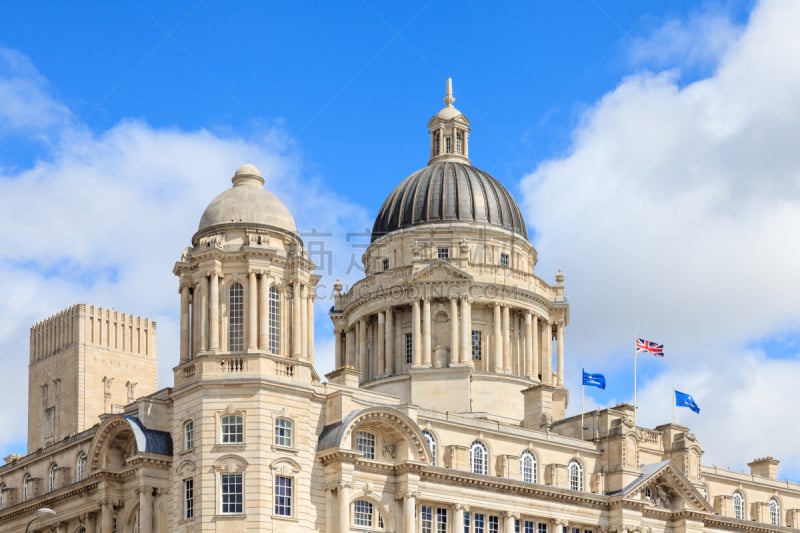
(448, 97)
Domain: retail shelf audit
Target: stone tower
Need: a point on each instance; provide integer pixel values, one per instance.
(86, 361)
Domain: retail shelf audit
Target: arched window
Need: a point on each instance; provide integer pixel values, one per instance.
(80, 466)
(236, 318)
(274, 320)
(188, 435)
(51, 480)
(431, 440)
(738, 505)
(575, 471)
(527, 464)
(27, 487)
(774, 512)
(284, 432)
(2, 496)
(478, 458)
(365, 515)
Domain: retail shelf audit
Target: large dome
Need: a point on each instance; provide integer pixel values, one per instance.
(247, 202)
(449, 191)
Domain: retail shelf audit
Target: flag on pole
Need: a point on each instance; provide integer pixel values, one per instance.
(685, 400)
(594, 380)
(654, 348)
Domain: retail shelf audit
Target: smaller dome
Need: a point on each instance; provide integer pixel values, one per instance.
(247, 202)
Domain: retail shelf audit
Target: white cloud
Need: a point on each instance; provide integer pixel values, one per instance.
(675, 215)
(102, 218)
(697, 41)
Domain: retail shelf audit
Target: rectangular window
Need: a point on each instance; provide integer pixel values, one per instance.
(365, 443)
(516, 525)
(274, 320)
(542, 528)
(504, 260)
(188, 498)
(362, 513)
(409, 349)
(494, 524)
(385, 265)
(443, 253)
(466, 523)
(459, 143)
(232, 427)
(530, 527)
(188, 435)
(283, 496)
(441, 520)
(479, 523)
(232, 492)
(283, 432)
(477, 352)
(448, 145)
(427, 519)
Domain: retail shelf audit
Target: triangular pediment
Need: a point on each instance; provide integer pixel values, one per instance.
(664, 486)
(440, 271)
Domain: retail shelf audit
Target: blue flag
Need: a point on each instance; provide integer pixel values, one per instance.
(594, 380)
(685, 400)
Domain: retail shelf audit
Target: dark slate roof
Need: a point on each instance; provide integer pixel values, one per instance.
(149, 440)
(449, 191)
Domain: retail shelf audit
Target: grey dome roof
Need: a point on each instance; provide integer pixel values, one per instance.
(247, 202)
(449, 191)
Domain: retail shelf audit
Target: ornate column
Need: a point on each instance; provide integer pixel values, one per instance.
(416, 334)
(560, 353)
(362, 348)
(252, 312)
(409, 512)
(535, 347)
(426, 333)
(145, 510)
(506, 340)
(185, 356)
(466, 330)
(337, 349)
(107, 517)
(381, 348)
(263, 334)
(302, 310)
(508, 521)
(529, 373)
(389, 341)
(202, 312)
(343, 501)
(213, 313)
(498, 340)
(350, 346)
(296, 339)
(455, 353)
(458, 517)
(310, 328)
(547, 353)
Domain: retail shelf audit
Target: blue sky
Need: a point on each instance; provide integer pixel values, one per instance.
(650, 144)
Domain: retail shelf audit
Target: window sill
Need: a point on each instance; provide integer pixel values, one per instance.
(285, 449)
(229, 517)
(285, 518)
(233, 447)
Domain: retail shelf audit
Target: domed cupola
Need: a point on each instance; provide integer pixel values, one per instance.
(248, 203)
(449, 189)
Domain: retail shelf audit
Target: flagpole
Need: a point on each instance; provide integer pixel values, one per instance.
(674, 416)
(583, 393)
(634, 380)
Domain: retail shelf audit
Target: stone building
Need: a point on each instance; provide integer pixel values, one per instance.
(445, 411)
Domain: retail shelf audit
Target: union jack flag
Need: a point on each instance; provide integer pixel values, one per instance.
(654, 348)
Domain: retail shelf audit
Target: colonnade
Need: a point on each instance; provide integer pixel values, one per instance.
(203, 319)
(521, 340)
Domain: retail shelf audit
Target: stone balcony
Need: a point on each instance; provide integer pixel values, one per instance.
(255, 365)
